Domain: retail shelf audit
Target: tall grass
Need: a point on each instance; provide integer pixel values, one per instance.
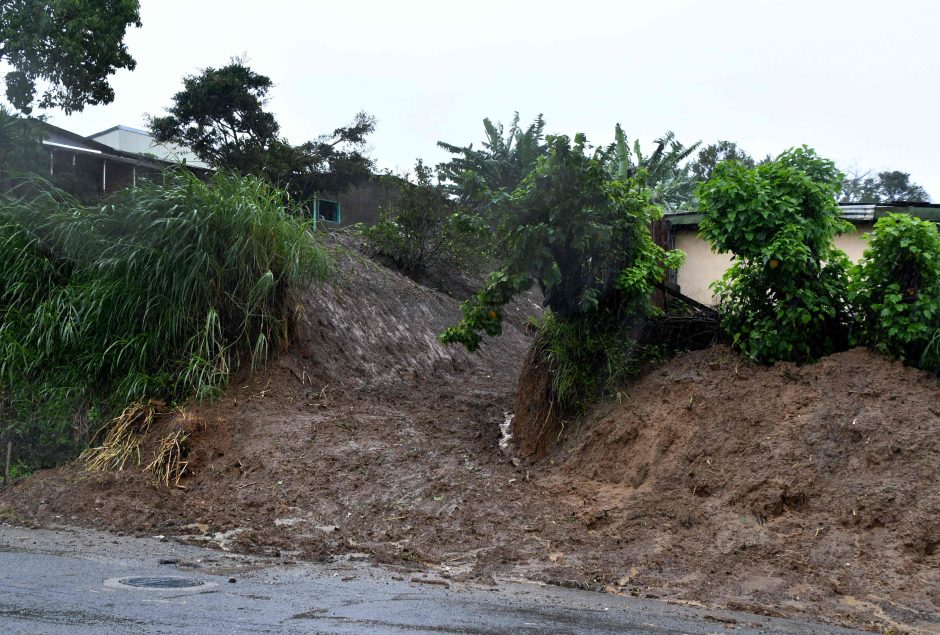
(159, 292)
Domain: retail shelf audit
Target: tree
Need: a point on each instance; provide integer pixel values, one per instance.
(885, 187)
(661, 171)
(784, 297)
(581, 233)
(504, 159)
(577, 231)
(20, 147)
(220, 115)
(713, 154)
(73, 46)
(895, 290)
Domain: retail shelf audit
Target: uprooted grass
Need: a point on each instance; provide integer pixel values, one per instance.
(159, 292)
(169, 459)
(122, 439)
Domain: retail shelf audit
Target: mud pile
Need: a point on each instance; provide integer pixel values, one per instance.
(780, 487)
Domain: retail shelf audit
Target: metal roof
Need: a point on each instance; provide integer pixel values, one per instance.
(851, 212)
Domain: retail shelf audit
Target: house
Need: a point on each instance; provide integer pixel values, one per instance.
(87, 167)
(121, 156)
(702, 266)
(141, 142)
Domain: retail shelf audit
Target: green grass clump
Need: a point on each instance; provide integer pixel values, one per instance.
(157, 293)
(590, 356)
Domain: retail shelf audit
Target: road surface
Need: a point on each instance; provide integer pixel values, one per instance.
(74, 581)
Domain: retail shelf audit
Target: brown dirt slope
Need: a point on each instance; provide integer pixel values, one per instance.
(797, 491)
(799, 488)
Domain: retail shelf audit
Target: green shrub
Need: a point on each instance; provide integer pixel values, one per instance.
(895, 289)
(589, 356)
(784, 297)
(160, 292)
(422, 233)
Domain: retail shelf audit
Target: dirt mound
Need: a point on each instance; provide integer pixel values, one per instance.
(535, 424)
(798, 491)
(783, 486)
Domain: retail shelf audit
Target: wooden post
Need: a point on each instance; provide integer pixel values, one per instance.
(6, 465)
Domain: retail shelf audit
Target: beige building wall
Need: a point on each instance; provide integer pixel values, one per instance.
(854, 243)
(702, 266)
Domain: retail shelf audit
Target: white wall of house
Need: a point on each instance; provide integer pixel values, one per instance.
(703, 266)
(137, 141)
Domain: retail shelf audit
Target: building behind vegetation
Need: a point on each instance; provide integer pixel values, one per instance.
(703, 266)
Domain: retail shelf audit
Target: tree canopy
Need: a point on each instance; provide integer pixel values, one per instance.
(71, 47)
(714, 153)
(221, 116)
(784, 296)
(661, 170)
(500, 163)
(579, 232)
(883, 187)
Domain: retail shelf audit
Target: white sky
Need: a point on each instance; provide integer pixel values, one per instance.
(859, 81)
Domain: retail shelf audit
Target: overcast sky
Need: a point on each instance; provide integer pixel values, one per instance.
(859, 81)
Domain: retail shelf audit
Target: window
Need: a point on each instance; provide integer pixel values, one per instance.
(325, 210)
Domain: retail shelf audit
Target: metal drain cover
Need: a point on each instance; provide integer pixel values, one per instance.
(162, 582)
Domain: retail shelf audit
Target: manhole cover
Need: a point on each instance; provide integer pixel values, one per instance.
(161, 582)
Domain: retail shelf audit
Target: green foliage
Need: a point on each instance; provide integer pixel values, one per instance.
(506, 157)
(884, 187)
(20, 148)
(590, 355)
(220, 114)
(896, 290)
(158, 293)
(661, 171)
(713, 154)
(784, 297)
(422, 232)
(581, 235)
(72, 46)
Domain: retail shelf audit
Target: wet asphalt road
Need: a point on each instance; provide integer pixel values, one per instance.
(69, 581)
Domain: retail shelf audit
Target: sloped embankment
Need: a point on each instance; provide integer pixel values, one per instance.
(367, 435)
(778, 487)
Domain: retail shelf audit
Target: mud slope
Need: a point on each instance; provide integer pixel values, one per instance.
(807, 492)
(785, 487)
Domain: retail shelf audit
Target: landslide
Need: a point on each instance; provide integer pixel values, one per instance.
(813, 489)
(798, 491)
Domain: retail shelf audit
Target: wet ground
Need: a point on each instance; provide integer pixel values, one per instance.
(75, 581)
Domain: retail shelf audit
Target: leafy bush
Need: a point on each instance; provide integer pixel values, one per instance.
(422, 233)
(583, 237)
(158, 293)
(784, 297)
(896, 290)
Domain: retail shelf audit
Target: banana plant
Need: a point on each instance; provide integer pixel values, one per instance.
(671, 182)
